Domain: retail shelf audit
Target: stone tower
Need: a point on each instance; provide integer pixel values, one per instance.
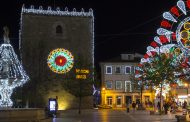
(45, 31)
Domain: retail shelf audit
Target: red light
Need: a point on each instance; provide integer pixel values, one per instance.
(166, 24)
(188, 4)
(60, 60)
(175, 11)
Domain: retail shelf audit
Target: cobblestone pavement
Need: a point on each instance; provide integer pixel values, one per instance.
(109, 115)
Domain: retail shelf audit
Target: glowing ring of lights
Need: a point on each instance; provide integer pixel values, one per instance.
(175, 26)
(60, 60)
(183, 33)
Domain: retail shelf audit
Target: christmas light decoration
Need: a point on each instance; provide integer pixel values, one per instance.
(59, 12)
(168, 16)
(165, 90)
(49, 11)
(60, 61)
(12, 73)
(174, 37)
(181, 6)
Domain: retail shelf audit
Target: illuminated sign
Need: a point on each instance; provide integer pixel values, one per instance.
(81, 73)
(52, 105)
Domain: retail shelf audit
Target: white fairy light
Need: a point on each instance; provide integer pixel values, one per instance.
(157, 39)
(168, 16)
(181, 6)
(49, 11)
(12, 73)
(162, 31)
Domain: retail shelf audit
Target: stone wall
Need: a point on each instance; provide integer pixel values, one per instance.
(23, 115)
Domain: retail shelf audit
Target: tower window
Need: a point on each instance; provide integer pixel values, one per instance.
(59, 29)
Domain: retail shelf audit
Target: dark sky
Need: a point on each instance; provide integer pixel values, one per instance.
(120, 25)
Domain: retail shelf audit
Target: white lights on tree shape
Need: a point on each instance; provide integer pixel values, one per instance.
(12, 73)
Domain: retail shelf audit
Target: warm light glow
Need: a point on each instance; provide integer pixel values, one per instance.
(81, 73)
(103, 88)
(165, 89)
(60, 61)
(80, 76)
(63, 105)
(182, 96)
(84, 71)
(185, 84)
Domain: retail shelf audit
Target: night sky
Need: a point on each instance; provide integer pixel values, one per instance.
(121, 26)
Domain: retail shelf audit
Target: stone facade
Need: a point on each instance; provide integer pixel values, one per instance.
(45, 30)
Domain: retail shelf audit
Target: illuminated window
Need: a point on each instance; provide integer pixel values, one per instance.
(109, 100)
(59, 29)
(108, 84)
(118, 69)
(127, 69)
(118, 85)
(108, 69)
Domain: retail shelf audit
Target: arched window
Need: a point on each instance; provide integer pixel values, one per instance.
(59, 29)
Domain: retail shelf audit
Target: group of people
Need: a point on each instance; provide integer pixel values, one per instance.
(172, 105)
(133, 106)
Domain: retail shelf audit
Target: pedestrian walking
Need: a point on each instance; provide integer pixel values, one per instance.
(166, 107)
(134, 106)
(184, 105)
(127, 107)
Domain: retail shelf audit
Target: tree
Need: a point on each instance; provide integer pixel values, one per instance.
(161, 69)
(80, 80)
(137, 87)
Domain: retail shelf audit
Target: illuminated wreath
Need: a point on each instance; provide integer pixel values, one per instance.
(60, 61)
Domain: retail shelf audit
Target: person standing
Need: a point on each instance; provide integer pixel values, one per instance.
(166, 106)
(134, 106)
(185, 105)
(158, 106)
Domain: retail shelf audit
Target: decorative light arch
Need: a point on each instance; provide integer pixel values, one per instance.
(173, 34)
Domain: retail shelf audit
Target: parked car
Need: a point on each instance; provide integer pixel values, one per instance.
(104, 106)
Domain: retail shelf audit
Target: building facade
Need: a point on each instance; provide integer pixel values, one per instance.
(55, 45)
(119, 86)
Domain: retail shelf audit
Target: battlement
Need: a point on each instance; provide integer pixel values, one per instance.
(57, 11)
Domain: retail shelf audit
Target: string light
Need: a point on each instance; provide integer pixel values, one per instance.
(12, 74)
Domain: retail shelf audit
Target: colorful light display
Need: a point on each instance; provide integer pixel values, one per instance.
(59, 12)
(173, 34)
(60, 61)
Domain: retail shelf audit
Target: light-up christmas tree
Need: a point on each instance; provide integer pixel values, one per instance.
(12, 73)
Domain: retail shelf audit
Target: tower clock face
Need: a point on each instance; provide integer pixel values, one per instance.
(60, 61)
